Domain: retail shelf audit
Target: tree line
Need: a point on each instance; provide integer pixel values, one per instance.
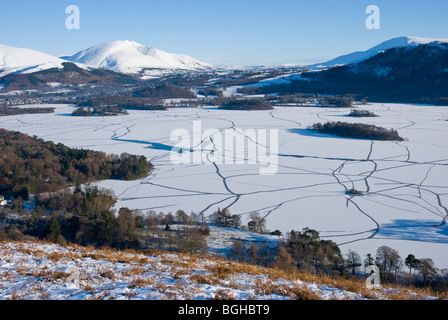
(306, 252)
(11, 111)
(165, 91)
(82, 215)
(125, 101)
(245, 104)
(99, 111)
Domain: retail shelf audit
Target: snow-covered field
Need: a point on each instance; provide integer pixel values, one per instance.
(405, 199)
(37, 271)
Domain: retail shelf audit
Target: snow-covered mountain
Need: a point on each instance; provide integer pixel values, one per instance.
(132, 57)
(19, 60)
(392, 43)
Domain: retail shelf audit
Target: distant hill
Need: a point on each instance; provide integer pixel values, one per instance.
(386, 45)
(118, 62)
(165, 92)
(404, 74)
(24, 61)
(67, 73)
(408, 74)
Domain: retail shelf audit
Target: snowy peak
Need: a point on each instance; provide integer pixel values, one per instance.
(404, 42)
(19, 60)
(386, 45)
(132, 57)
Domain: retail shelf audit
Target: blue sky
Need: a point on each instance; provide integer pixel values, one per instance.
(222, 32)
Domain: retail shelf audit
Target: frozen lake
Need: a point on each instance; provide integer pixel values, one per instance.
(405, 184)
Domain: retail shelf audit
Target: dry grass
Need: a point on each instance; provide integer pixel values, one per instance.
(134, 271)
(101, 296)
(295, 292)
(358, 286)
(140, 283)
(301, 292)
(107, 274)
(66, 256)
(15, 295)
(222, 294)
(188, 273)
(205, 279)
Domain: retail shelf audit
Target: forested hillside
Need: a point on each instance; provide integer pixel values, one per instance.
(29, 165)
(406, 75)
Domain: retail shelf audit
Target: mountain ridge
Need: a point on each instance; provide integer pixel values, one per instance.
(14, 60)
(359, 56)
(403, 74)
(126, 57)
(131, 57)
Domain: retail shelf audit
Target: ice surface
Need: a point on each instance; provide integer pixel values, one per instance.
(405, 193)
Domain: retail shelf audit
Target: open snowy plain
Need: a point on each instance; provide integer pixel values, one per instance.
(404, 184)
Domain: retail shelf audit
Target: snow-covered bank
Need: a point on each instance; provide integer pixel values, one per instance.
(44, 271)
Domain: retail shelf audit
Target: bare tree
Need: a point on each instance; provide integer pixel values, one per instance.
(353, 260)
(237, 250)
(252, 253)
(151, 223)
(389, 262)
(257, 223)
(221, 217)
(284, 260)
(427, 270)
(182, 217)
(192, 243)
